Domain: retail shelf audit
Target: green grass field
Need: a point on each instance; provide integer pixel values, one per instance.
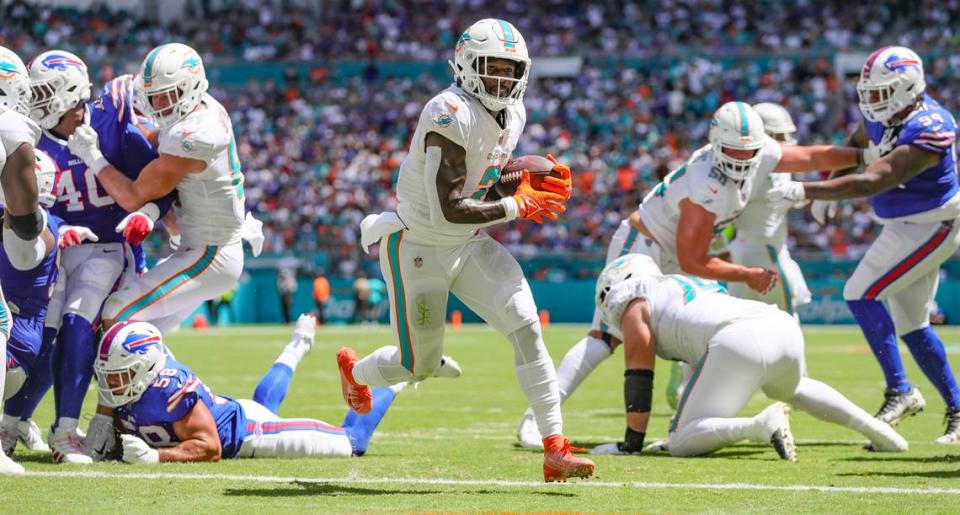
(449, 445)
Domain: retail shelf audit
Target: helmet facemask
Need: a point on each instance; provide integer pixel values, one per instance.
(737, 168)
(481, 43)
(475, 81)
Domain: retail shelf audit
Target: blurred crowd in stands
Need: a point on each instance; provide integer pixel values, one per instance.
(318, 153)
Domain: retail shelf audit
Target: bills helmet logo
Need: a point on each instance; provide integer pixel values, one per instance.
(139, 343)
(899, 64)
(61, 62)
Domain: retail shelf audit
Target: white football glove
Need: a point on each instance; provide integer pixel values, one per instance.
(100, 437)
(823, 210)
(138, 452)
(785, 195)
(252, 231)
(73, 235)
(84, 143)
(174, 241)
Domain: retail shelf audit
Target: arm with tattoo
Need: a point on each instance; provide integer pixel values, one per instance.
(450, 181)
(897, 167)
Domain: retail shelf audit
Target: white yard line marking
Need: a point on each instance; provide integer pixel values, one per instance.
(503, 483)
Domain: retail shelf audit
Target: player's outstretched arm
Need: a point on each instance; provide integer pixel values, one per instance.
(197, 432)
(897, 167)
(640, 356)
(814, 158)
(694, 233)
(447, 162)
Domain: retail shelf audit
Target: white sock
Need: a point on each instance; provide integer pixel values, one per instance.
(382, 368)
(538, 378)
(10, 423)
(579, 362)
(292, 354)
(67, 424)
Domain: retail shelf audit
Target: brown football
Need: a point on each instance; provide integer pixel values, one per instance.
(538, 166)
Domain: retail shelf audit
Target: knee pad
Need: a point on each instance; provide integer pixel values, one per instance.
(16, 376)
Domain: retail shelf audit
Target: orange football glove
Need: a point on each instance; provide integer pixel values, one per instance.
(562, 185)
(537, 205)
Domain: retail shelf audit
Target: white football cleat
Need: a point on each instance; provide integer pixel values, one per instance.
(448, 368)
(658, 446)
(952, 434)
(305, 331)
(29, 433)
(898, 406)
(612, 449)
(883, 438)
(528, 433)
(776, 424)
(8, 441)
(7, 466)
(67, 447)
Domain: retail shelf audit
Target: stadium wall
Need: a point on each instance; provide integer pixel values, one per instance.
(257, 300)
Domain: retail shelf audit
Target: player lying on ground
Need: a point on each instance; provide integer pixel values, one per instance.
(167, 414)
(738, 346)
(677, 220)
(915, 195)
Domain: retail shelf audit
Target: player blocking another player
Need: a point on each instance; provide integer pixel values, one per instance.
(678, 219)
(434, 245)
(168, 414)
(761, 229)
(737, 347)
(61, 104)
(916, 197)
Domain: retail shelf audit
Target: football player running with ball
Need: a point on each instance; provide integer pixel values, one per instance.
(736, 347)
(434, 244)
(916, 197)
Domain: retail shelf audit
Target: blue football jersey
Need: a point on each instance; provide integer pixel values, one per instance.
(28, 291)
(81, 199)
(931, 128)
(174, 392)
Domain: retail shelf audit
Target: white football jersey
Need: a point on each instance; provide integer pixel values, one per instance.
(685, 312)
(457, 116)
(760, 223)
(210, 208)
(705, 185)
(15, 130)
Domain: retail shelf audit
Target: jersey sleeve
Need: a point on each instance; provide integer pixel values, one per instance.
(195, 138)
(15, 130)
(709, 191)
(770, 156)
(116, 99)
(449, 116)
(170, 397)
(933, 130)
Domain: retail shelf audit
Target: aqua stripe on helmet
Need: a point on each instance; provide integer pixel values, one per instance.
(148, 66)
(744, 127)
(507, 34)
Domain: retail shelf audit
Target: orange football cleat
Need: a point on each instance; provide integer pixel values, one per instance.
(358, 396)
(559, 463)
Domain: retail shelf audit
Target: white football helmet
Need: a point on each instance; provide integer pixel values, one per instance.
(128, 359)
(736, 126)
(173, 73)
(14, 82)
(48, 176)
(487, 39)
(890, 81)
(777, 122)
(59, 81)
(618, 271)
